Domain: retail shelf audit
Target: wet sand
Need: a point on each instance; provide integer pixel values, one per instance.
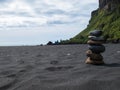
(58, 68)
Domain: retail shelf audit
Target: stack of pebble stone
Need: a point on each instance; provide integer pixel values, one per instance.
(95, 48)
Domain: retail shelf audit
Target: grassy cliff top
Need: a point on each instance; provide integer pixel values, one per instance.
(106, 19)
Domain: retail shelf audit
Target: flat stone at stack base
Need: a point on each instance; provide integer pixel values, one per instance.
(94, 56)
(89, 61)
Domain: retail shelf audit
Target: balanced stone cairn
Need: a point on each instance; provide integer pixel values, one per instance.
(95, 48)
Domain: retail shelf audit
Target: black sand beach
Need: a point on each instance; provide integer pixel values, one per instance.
(58, 68)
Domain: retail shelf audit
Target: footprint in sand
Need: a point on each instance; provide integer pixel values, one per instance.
(54, 62)
(6, 82)
(59, 68)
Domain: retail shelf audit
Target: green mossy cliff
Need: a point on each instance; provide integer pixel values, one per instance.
(105, 18)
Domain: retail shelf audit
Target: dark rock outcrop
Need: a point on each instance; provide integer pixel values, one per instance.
(108, 4)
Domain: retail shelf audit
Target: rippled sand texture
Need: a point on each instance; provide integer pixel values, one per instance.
(58, 68)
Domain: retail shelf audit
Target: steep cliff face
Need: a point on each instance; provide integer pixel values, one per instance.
(108, 4)
(105, 18)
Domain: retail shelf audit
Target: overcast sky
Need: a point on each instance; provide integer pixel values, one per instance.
(32, 22)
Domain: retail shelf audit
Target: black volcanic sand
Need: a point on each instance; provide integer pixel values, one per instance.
(58, 68)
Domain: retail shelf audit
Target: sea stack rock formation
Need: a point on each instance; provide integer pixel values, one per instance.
(95, 48)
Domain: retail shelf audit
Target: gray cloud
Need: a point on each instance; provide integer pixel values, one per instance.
(46, 11)
(4, 1)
